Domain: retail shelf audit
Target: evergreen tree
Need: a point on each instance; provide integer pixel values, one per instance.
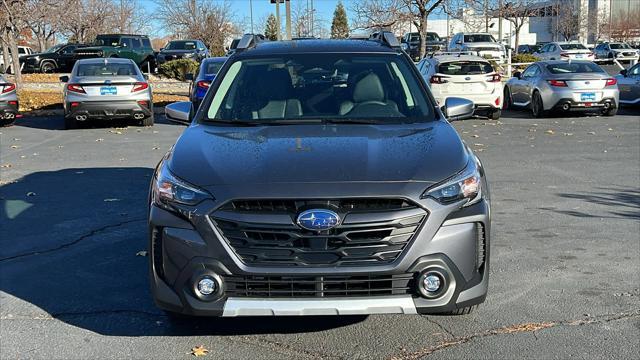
(271, 28)
(339, 25)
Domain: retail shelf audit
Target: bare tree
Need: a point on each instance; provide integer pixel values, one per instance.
(14, 13)
(518, 13)
(419, 11)
(379, 14)
(567, 20)
(207, 20)
(43, 20)
(84, 19)
(626, 25)
(129, 17)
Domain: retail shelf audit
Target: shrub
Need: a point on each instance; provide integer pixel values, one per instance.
(524, 58)
(176, 69)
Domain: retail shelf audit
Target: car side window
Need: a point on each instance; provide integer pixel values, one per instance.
(126, 42)
(634, 72)
(136, 44)
(68, 50)
(146, 43)
(530, 72)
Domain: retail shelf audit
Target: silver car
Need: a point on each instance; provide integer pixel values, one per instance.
(106, 89)
(564, 51)
(564, 86)
(8, 102)
(616, 50)
(629, 85)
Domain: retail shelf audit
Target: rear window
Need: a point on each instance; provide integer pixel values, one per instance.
(212, 67)
(106, 70)
(465, 68)
(181, 45)
(574, 67)
(319, 87)
(573, 47)
(479, 38)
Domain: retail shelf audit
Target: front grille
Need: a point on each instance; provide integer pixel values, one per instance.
(264, 232)
(319, 286)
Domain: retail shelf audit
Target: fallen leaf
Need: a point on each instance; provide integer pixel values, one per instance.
(6, 166)
(14, 146)
(532, 130)
(610, 129)
(141, 253)
(568, 134)
(199, 351)
(99, 140)
(591, 133)
(16, 139)
(111, 200)
(475, 135)
(115, 132)
(550, 132)
(156, 148)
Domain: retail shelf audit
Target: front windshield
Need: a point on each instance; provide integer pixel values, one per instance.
(574, 67)
(327, 87)
(479, 38)
(54, 48)
(181, 45)
(433, 37)
(619, 46)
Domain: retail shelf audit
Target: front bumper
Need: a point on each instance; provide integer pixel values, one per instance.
(481, 101)
(182, 251)
(108, 109)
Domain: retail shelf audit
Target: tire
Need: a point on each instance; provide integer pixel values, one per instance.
(537, 106)
(462, 311)
(506, 99)
(495, 114)
(7, 123)
(47, 67)
(70, 123)
(148, 121)
(612, 111)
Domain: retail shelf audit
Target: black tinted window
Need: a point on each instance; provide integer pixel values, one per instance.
(479, 38)
(327, 86)
(136, 43)
(212, 67)
(465, 68)
(146, 43)
(574, 67)
(105, 70)
(181, 45)
(108, 41)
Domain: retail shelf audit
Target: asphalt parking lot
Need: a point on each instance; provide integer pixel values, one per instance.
(565, 261)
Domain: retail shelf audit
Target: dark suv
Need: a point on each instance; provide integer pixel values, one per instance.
(58, 58)
(319, 177)
(411, 44)
(135, 47)
(183, 49)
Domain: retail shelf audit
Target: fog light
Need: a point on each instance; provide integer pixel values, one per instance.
(207, 286)
(431, 282)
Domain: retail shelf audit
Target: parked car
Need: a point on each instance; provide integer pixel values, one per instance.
(563, 86)
(8, 102)
(58, 58)
(22, 51)
(232, 47)
(528, 49)
(564, 51)
(483, 44)
(629, 85)
(411, 44)
(467, 76)
(106, 89)
(206, 74)
(135, 47)
(183, 49)
(285, 196)
(616, 50)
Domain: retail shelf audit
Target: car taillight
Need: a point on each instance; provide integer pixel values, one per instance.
(437, 79)
(558, 83)
(203, 84)
(144, 103)
(8, 87)
(75, 88)
(564, 54)
(494, 78)
(13, 102)
(611, 82)
(75, 104)
(139, 86)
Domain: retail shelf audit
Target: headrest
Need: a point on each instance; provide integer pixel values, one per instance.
(369, 88)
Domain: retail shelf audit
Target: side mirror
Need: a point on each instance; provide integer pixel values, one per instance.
(517, 75)
(181, 111)
(188, 77)
(623, 72)
(458, 108)
(64, 78)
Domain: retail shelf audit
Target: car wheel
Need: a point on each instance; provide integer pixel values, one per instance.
(148, 121)
(47, 68)
(506, 99)
(70, 123)
(495, 114)
(612, 111)
(537, 107)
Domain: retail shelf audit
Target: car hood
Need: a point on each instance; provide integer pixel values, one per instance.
(210, 155)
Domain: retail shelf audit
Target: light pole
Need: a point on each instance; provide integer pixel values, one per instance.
(251, 14)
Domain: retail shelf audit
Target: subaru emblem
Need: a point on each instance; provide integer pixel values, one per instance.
(318, 219)
(467, 78)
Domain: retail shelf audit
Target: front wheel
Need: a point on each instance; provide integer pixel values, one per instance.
(47, 68)
(537, 107)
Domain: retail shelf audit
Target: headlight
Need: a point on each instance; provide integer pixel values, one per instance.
(465, 185)
(170, 191)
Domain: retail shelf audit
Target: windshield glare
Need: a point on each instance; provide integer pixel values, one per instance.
(212, 67)
(315, 87)
(619, 46)
(572, 47)
(479, 38)
(574, 67)
(181, 45)
(54, 48)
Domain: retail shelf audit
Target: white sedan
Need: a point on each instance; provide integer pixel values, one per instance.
(466, 76)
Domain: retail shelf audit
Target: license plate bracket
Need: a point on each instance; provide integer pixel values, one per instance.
(588, 97)
(108, 90)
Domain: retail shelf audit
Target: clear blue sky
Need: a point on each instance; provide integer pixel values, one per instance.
(262, 9)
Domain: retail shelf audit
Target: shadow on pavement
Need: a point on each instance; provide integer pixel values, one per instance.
(625, 201)
(69, 250)
(56, 122)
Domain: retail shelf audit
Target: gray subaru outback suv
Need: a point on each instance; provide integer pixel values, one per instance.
(319, 177)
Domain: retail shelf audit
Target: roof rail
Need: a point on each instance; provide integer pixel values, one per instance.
(453, 53)
(249, 41)
(385, 38)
